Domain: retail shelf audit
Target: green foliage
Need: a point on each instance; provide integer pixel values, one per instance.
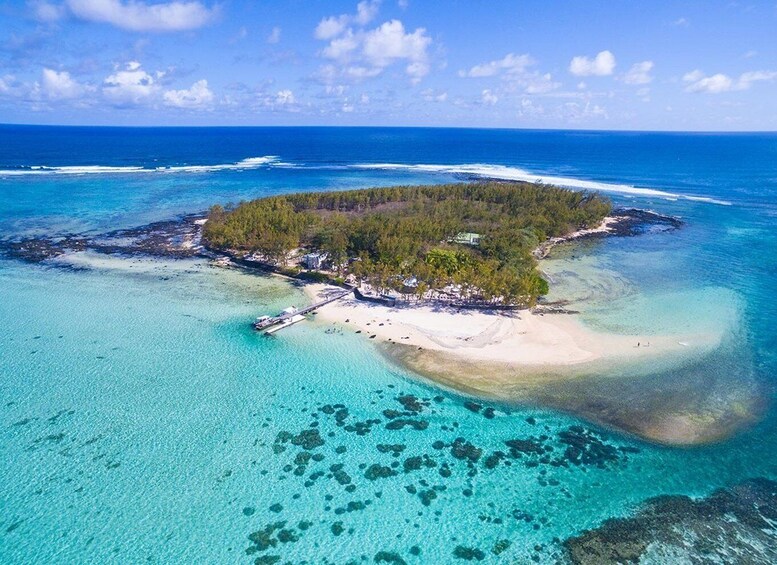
(398, 232)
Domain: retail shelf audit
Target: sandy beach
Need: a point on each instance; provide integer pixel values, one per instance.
(518, 338)
(555, 360)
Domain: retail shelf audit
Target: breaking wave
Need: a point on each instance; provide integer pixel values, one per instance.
(502, 172)
(250, 163)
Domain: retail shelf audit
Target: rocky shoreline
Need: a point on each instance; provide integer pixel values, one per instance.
(622, 222)
(179, 238)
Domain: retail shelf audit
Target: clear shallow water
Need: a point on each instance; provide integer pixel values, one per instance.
(147, 430)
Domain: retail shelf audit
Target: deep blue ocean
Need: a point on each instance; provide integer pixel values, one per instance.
(142, 420)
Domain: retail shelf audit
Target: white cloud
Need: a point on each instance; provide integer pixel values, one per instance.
(510, 63)
(750, 54)
(330, 27)
(198, 96)
(60, 85)
(275, 35)
(680, 22)
(132, 85)
(389, 42)
(601, 65)
(514, 70)
(488, 98)
(693, 76)
(285, 97)
(339, 48)
(747, 79)
(11, 86)
(360, 54)
(717, 83)
(135, 15)
(333, 26)
(577, 112)
(540, 84)
(366, 11)
(430, 95)
(639, 73)
(712, 84)
(46, 12)
(529, 109)
(360, 72)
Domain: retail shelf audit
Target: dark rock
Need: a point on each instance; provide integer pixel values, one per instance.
(287, 536)
(389, 557)
(394, 449)
(308, 439)
(468, 553)
(500, 546)
(733, 521)
(411, 403)
(400, 423)
(473, 406)
(529, 446)
(493, 460)
(377, 471)
(427, 496)
(462, 449)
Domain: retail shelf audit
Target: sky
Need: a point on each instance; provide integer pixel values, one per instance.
(612, 65)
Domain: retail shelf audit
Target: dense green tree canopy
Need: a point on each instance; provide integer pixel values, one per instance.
(402, 232)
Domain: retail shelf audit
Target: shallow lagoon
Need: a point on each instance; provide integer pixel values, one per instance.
(156, 416)
(150, 429)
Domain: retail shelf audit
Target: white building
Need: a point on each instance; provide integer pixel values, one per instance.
(314, 260)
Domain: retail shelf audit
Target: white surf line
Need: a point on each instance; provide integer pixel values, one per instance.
(503, 172)
(249, 163)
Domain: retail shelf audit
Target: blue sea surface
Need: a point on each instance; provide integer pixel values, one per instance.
(143, 420)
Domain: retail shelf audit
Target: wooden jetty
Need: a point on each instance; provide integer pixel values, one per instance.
(292, 315)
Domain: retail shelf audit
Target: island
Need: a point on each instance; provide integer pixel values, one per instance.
(451, 283)
(448, 284)
(465, 244)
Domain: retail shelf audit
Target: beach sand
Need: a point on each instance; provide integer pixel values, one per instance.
(520, 338)
(555, 360)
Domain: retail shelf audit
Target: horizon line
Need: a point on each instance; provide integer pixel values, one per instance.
(318, 126)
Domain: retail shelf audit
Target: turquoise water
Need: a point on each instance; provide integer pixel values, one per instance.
(140, 414)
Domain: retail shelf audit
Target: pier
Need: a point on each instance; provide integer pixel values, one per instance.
(292, 315)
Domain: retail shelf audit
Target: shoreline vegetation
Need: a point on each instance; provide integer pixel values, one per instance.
(467, 244)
